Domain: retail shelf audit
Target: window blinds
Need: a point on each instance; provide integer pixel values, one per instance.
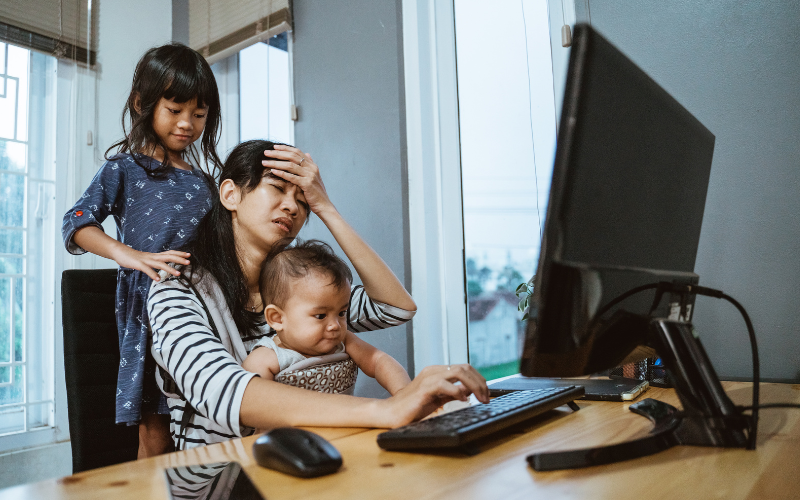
(220, 28)
(55, 27)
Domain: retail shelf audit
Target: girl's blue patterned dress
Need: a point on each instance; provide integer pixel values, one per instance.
(152, 215)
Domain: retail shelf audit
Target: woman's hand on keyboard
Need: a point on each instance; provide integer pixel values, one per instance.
(433, 387)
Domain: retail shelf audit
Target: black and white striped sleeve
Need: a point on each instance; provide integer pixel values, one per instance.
(366, 314)
(205, 373)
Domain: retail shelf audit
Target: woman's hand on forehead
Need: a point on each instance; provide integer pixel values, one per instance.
(292, 165)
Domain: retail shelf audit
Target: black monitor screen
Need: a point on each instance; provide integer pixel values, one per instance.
(626, 208)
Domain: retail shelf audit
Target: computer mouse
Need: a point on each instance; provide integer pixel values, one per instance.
(297, 452)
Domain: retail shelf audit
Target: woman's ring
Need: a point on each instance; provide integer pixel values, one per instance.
(448, 367)
(302, 160)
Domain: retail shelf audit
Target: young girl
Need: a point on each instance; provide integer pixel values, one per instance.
(157, 200)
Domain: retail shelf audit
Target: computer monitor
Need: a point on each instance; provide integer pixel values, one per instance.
(625, 213)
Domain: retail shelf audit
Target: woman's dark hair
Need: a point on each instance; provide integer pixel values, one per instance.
(172, 71)
(286, 263)
(213, 248)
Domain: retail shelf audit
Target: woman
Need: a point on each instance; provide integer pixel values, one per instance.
(205, 323)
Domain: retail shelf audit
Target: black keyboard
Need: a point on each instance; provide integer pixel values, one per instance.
(457, 428)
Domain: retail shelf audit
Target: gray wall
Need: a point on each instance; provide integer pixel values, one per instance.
(348, 87)
(736, 66)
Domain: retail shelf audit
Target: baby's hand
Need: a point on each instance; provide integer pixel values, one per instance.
(151, 263)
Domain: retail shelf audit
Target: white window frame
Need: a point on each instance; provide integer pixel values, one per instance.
(74, 116)
(438, 275)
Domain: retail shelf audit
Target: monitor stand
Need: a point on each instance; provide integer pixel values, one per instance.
(709, 417)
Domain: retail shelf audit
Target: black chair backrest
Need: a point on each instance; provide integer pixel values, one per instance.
(91, 364)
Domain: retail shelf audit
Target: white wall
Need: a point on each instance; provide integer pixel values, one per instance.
(125, 31)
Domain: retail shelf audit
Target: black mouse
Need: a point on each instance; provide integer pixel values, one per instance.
(297, 452)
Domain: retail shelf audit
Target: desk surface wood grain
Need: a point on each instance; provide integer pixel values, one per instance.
(500, 470)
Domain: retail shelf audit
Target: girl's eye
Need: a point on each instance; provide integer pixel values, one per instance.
(343, 313)
(174, 111)
(320, 316)
(278, 187)
(199, 116)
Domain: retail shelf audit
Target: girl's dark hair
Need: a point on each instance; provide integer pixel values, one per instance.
(172, 71)
(213, 248)
(286, 263)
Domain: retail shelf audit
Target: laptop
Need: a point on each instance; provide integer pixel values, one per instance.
(615, 389)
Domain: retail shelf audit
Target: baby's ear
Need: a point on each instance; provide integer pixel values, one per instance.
(274, 316)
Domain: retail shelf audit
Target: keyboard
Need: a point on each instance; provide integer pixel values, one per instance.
(458, 428)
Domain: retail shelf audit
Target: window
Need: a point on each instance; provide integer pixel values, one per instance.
(27, 240)
(255, 88)
(481, 118)
(507, 125)
(264, 84)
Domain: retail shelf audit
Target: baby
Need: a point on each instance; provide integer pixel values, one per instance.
(306, 292)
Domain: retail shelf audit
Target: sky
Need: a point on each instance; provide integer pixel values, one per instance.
(507, 112)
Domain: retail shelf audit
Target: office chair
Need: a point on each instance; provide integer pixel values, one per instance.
(91, 363)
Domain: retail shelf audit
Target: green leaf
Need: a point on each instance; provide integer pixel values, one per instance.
(525, 317)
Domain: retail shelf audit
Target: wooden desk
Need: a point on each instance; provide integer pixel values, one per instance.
(500, 471)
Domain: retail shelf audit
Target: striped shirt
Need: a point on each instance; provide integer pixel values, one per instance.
(207, 370)
(205, 481)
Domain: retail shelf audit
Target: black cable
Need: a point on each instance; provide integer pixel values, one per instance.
(665, 286)
(620, 298)
(769, 405)
(756, 368)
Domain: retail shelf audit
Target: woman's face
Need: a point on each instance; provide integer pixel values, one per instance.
(275, 209)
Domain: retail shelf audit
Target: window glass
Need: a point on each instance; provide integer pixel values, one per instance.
(27, 240)
(508, 129)
(264, 91)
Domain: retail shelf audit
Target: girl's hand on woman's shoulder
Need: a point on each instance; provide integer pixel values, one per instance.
(150, 263)
(291, 164)
(433, 387)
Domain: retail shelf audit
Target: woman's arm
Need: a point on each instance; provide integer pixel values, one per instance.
(379, 281)
(206, 374)
(210, 379)
(266, 404)
(376, 364)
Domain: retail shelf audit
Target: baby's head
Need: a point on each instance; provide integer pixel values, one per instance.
(306, 291)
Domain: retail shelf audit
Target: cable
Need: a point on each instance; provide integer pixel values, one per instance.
(624, 296)
(770, 406)
(666, 286)
(756, 368)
